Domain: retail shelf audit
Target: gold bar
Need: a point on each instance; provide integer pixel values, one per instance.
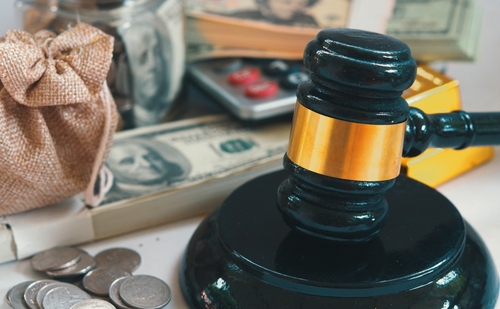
(436, 166)
(343, 149)
(434, 92)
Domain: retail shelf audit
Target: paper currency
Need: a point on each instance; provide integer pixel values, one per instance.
(290, 13)
(203, 51)
(439, 29)
(160, 158)
(265, 26)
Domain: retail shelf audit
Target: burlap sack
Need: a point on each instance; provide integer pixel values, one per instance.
(57, 116)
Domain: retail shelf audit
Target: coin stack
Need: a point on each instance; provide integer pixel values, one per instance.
(101, 282)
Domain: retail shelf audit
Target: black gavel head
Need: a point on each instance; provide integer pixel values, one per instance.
(347, 135)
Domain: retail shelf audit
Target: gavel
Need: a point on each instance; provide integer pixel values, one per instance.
(344, 229)
(350, 129)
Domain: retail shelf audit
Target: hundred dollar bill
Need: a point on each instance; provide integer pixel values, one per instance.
(438, 29)
(264, 27)
(293, 14)
(197, 52)
(273, 28)
(181, 154)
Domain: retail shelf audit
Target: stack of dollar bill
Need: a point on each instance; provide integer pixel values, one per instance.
(439, 29)
(248, 28)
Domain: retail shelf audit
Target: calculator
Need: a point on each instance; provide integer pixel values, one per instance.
(251, 89)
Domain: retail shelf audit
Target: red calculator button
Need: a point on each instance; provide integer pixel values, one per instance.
(244, 76)
(261, 89)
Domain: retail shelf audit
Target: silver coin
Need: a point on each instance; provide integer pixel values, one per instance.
(15, 296)
(86, 264)
(45, 289)
(145, 291)
(126, 259)
(55, 258)
(114, 293)
(99, 280)
(93, 304)
(64, 297)
(32, 290)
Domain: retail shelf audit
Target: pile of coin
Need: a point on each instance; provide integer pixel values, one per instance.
(100, 282)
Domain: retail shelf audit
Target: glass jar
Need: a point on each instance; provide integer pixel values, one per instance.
(148, 58)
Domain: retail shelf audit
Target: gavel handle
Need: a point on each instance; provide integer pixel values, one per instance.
(456, 130)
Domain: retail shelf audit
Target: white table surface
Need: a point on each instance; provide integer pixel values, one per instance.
(476, 194)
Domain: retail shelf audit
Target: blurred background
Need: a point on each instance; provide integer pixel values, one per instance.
(11, 17)
(478, 77)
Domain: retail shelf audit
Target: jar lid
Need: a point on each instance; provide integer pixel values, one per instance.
(99, 4)
(91, 11)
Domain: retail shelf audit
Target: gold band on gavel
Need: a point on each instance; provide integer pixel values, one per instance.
(343, 149)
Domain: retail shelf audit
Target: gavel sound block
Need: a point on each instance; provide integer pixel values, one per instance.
(338, 228)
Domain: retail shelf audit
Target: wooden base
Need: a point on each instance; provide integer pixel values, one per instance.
(426, 256)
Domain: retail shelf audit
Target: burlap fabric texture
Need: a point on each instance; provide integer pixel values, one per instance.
(57, 116)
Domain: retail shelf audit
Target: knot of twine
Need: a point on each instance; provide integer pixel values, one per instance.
(45, 47)
(76, 63)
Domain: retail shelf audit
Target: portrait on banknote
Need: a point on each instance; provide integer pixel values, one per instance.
(293, 13)
(281, 12)
(156, 160)
(148, 54)
(140, 166)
